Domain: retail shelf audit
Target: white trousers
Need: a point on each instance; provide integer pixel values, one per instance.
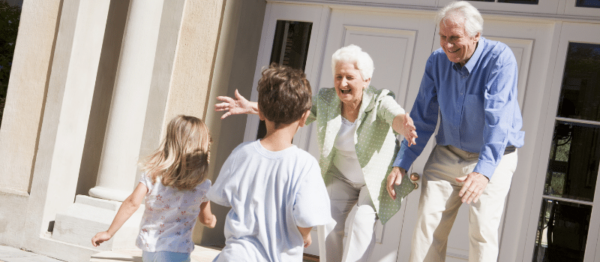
(440, 202)
(344, 195)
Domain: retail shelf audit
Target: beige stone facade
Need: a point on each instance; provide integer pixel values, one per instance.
(92, 86)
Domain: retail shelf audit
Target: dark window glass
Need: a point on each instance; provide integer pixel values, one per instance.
(528, 2)
(290, 48)
(562, 231)
(574, 159)
(580, 93)
(10, 16)
(588, 3)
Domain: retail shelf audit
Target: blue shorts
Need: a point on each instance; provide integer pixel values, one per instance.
(165, 256)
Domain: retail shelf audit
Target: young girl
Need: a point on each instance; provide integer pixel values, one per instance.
(174, 184)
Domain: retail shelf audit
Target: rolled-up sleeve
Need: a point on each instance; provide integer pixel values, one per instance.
(500, 101)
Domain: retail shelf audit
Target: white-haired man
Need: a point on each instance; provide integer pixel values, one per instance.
(472, 82)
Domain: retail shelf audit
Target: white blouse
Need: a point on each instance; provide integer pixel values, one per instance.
(345, 159)
(170, 216)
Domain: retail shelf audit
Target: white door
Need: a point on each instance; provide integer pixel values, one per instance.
(531, 44)
(399, 44)
(278, 37)
(565, 220)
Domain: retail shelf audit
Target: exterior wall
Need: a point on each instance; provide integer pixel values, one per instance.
(23, 113)
(26, 95)
(235, 61)
(61, 99)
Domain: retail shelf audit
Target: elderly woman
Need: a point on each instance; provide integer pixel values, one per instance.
(356, 134)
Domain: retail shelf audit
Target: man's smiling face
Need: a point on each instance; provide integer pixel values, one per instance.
(456, 43)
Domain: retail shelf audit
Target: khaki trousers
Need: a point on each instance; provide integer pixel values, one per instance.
(439, 204)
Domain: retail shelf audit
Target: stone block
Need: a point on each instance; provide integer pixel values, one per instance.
(88, 216)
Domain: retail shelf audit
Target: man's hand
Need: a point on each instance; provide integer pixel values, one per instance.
(394, 178)
(474, 184)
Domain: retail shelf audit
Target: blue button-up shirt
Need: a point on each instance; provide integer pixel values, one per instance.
(478, 105)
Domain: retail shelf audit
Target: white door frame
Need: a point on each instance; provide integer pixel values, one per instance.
(316, 14)
(570, 32)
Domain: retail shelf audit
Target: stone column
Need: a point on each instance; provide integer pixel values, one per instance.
(116, 176)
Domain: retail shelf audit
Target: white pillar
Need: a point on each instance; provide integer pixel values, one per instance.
(116, 175)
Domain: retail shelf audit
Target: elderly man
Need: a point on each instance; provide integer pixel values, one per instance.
(472, 82)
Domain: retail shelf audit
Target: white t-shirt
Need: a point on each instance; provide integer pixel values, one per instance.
(169, 216)
(271, 194)
(345, 159)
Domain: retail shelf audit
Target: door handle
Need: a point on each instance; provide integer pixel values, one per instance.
(414, 177)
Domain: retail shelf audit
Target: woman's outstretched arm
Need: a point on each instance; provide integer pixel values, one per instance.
(237, 106)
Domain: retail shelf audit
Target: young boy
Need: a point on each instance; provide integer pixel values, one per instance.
(275, 189)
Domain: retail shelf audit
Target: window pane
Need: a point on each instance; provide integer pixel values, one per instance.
(529, 2)
(562, 231)
(290, 48)
(481, 0)
(574, 159)
(580, 93)
(588, 3)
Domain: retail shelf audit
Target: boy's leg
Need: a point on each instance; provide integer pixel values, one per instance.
(438, 207)
(485, 215)
(361, 238)
(343, 197)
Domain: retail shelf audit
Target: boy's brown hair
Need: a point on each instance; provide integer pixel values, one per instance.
(284, 94)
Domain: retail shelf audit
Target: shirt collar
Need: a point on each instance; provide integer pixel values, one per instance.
(473, 60)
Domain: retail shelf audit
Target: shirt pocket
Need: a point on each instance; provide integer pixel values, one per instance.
(473, 116)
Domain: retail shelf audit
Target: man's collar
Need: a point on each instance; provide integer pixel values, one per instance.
(473, 60)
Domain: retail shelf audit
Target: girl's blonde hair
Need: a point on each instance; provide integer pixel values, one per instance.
(181, 161)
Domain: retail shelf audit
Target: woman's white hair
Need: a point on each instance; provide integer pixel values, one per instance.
(354, 54)
(469, 14)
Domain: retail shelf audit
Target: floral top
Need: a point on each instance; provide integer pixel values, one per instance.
(374, 139)
(169, 216)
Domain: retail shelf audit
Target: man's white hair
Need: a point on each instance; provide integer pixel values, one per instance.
(473, 21)
(354, 54)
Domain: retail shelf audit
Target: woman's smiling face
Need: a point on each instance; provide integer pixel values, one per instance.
(348, 82)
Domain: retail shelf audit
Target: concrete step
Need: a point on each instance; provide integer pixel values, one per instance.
(200, 254)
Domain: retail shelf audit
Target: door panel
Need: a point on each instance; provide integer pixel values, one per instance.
(399, 44)
(531, 45)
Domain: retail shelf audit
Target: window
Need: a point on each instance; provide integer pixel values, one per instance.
(588, 3)
(290, 48)
(574, 160)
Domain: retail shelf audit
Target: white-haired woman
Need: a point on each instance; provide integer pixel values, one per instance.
(356, 135)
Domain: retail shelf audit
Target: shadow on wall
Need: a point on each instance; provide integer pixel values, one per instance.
(238, 45)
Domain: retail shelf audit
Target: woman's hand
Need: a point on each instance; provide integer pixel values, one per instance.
(404, 125)
(409, 130)
(239, 105)
(100, 237)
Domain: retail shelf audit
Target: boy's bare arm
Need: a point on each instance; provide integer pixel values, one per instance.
(305, 231)
(129, 206)
(206, 216)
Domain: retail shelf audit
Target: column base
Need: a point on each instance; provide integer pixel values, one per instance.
(109, 193)
(88, 216)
